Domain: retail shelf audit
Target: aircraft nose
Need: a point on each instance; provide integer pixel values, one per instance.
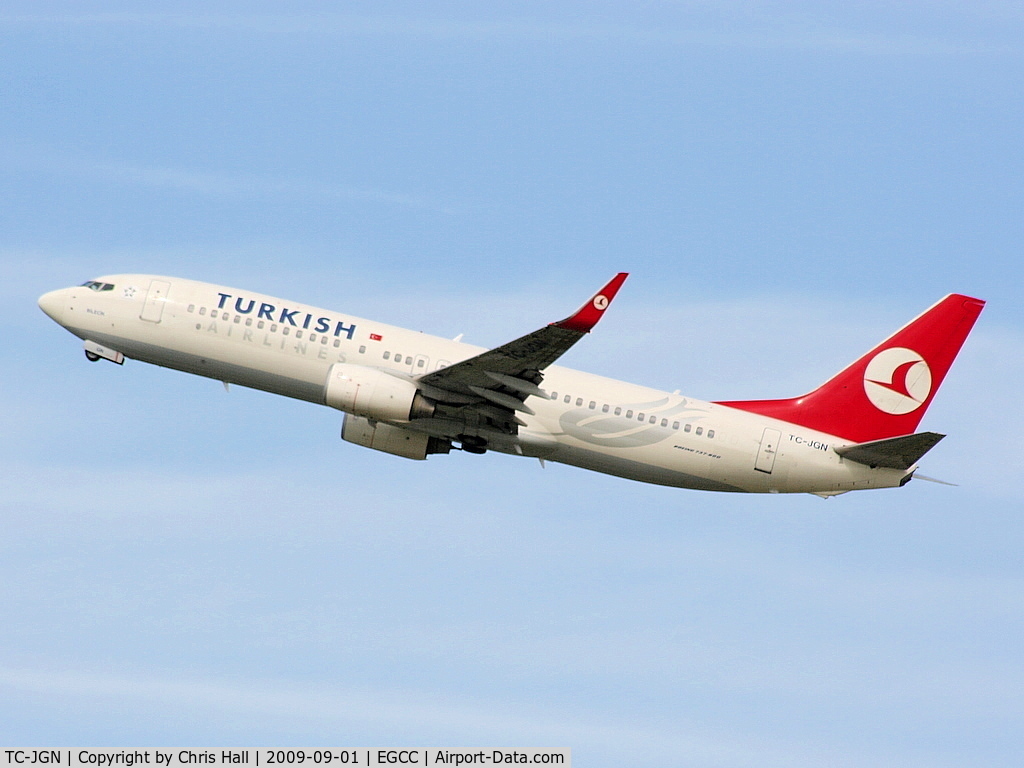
(52, 303)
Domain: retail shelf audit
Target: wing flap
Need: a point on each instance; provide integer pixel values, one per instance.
(522, 386)
(506, 401)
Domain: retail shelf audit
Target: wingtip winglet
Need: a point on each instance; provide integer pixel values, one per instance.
(587, 316)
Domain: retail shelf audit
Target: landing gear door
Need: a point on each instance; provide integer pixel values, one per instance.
(769, 449)
(153, 309)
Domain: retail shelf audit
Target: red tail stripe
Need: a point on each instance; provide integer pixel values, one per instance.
(842, 407)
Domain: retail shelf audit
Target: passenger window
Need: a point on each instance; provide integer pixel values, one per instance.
(420, 363)
(312, 337)
(639, 417)
(248, 321)
(675, 425)
(700, 430)
(191, 307)
(260, 325)
(653, 419)
(711, 433)
(298, 334)
(273, 327)
(618, 411)
(225, 316)
(337, 343)
(323, 339)
(554, 396)
(664, 422)
(629, 414)
(687, 428)
(387, 355)
(238, 319)
(604, 408)
(567, 398)
(202, 310)
(579, 401)
(593, 405)
(286, 330)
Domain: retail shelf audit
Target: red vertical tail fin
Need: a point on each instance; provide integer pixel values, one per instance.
(886, 392)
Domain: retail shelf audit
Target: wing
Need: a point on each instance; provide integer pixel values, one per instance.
(488, 389)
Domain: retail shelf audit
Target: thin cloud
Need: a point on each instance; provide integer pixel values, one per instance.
(193, 182)
(739, 26)
(311, 708)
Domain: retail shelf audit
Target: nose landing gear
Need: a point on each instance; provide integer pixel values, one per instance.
(94, 352)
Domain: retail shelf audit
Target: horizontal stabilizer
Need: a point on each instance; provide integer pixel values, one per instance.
(893, 453)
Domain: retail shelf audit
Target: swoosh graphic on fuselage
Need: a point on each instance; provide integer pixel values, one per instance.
(621, 432)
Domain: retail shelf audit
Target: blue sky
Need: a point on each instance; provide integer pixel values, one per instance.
(786, 182)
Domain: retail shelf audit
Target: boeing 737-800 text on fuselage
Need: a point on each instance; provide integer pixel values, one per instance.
(411, 394)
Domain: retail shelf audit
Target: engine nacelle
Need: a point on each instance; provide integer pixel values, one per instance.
(374, 394)
(391, 439)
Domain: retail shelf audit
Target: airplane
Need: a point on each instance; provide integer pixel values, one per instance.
(412, 395)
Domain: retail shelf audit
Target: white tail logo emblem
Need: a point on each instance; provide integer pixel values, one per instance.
(897, 380)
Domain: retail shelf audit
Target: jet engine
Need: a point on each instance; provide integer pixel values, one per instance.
(374, 394)
(391, 439)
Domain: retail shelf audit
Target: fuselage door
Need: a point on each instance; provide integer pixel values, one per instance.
(769, 449)
(153, 309)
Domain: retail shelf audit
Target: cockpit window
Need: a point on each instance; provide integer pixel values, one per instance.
(93, 285)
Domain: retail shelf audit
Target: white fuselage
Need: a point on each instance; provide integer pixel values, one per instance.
(590, 421)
